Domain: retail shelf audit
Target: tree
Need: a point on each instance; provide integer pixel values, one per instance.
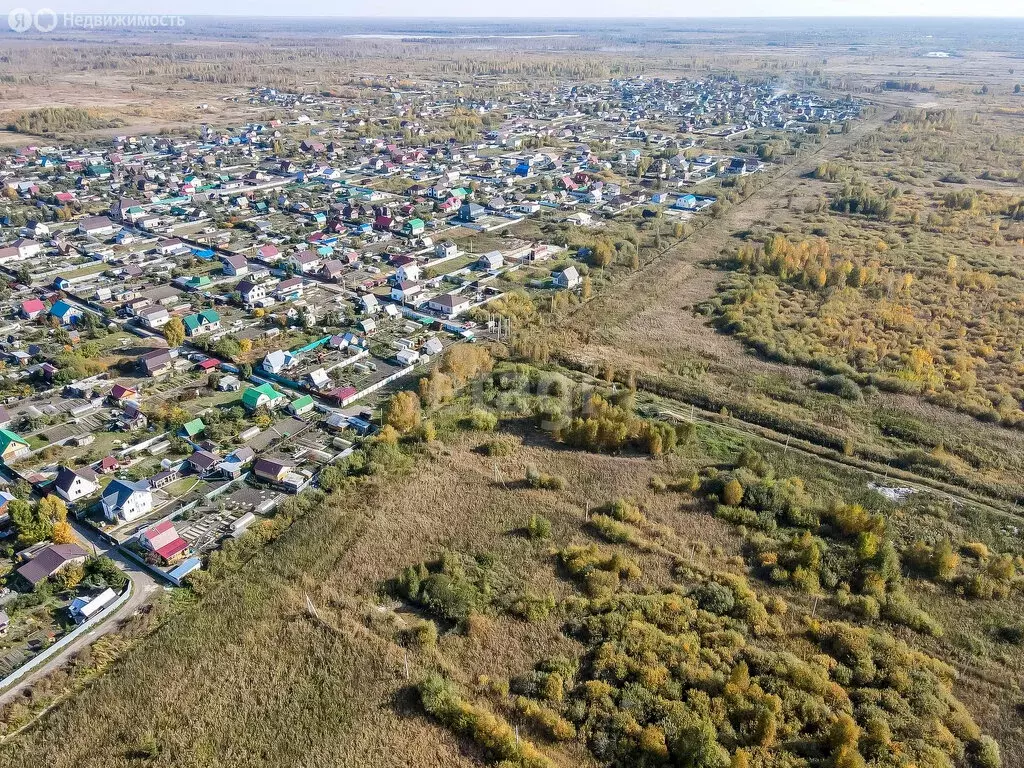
(26, 523)
(945, 560)
(464, 362)
(732, 493)
(52, 510)
(69, 577)
(436, 389)
(174, 332)
(403, 412)
(603, 253)
(62, 533)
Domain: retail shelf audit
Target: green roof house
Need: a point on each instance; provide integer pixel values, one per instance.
(201, 322)
(264, 394)
(12, 447)
(414, 227)
(199, 281)
(193, 428)
(301, 405)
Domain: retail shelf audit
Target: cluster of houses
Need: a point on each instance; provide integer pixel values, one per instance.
(263, 282)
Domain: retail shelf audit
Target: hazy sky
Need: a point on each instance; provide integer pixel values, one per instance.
(537, 8)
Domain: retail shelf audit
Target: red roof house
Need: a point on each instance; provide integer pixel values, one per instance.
(163, 540)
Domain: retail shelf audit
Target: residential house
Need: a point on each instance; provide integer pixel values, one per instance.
(332, 269)
(154, 317)
(157, 363)
(405, 291)
(450, 304)
(96, 226)
(236, 462)
(164, 541)
(567, 278)
(126, 500)
(73, 485)
(12, 447)
(414, 227)
(269, 253)
(32, 308)
(306, 261)
(271, 470)
(49, 561)
(252, 293)
(279, 360)
(491, 260)
(301, 405)
(446, 250)
(289, 290)
(470, 212)
(65, 312)
(202, 461)
(370, 304)
(408, 270)
(236, 265)
(262, 395)
(200, 323)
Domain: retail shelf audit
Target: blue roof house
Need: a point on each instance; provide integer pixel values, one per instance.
(66, 313)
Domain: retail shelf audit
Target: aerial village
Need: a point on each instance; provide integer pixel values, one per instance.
(195, 326)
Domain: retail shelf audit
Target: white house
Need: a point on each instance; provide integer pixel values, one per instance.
(72, 486)
(567, 278)
(450, 304)
(96, 225)
(405, 291)
(408, 273)
(445, 250)
(127, 500)
(491, 260)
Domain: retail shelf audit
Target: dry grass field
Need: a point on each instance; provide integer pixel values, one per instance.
(246, 676)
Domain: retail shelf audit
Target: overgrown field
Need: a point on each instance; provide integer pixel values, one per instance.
(617, 609)
(904, 273)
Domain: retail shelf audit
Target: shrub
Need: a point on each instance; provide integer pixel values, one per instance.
(532, 608)
(841, 386)
(732, 493)
(537, 479)
(538, 527)
(611, 530)
(715, 598)
(423, 635)
(506, 445)
(985, 753)
(600, 584)
(626, 512)
(481, 420)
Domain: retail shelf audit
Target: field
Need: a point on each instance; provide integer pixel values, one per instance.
(340, 696)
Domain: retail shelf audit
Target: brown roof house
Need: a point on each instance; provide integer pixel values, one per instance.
(50, 560)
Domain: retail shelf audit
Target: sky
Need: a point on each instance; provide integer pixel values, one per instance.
(537, 8)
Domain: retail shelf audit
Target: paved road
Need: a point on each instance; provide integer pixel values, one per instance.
(144, 587)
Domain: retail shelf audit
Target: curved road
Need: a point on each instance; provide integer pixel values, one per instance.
(144, 587)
